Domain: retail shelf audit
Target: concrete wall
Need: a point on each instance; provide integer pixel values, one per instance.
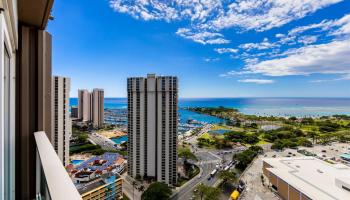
(286, 191)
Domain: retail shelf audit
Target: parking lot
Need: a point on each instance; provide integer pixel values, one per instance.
(255, 190)
(329, 151)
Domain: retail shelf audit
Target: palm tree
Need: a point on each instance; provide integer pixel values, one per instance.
(141, 189)
(209, 193)
(313, 135)
(227, 176)
(201, 188)
(133, 189)
(157, 191)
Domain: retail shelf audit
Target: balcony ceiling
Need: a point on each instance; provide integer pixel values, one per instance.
(34, 12)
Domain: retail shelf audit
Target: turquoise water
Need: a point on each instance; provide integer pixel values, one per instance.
(76, 162)
(299, 107)
(220, 131)
(186, 115)
(120, 139)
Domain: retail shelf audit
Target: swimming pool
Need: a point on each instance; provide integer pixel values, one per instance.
(120, 139)
(76, 162)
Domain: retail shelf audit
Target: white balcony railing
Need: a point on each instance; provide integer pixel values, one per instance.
(52, 181)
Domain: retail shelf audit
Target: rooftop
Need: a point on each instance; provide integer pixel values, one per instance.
(107, 159)
(91, 186)
(98, 182)
(313, 177)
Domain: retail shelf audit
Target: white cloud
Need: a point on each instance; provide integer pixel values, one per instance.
(263, 15)
(235, 73)
(215, 15)
(344, 26)
(257, 81)
(226, 50)
(336, 27)
(202, 37)
(307, 39)
(342, 78)
(330, 58)
(279, 35)
(211, 59)
(265, 44)
(217, 41)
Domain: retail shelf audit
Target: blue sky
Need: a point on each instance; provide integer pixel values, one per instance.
(217, 48)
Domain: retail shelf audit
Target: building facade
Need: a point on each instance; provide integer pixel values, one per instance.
(61, 121)
(152, 127)
(91, 106)
(306, 178)
(97, 101)
(105, 188)
(74, 112)
(84, 105)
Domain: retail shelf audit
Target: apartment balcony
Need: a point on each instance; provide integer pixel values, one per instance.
(52, 180)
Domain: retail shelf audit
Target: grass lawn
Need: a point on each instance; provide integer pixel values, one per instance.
(309, 128)
(206, 136)
(210, 137)
(261, 142)
(225, 127)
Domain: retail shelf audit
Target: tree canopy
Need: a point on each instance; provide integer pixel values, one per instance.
(157, 191)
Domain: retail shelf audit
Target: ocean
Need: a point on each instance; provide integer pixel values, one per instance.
(285, 107)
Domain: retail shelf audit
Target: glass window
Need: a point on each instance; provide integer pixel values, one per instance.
(7, 141)
(8, 162)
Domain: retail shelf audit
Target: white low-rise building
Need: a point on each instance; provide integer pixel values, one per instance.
(307, 178)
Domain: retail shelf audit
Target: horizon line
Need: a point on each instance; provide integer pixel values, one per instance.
(242, 97)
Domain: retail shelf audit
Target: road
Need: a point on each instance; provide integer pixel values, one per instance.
(105, 143)
(207, 163)
(130, 192)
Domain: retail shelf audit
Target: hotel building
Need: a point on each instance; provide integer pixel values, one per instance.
(29, 165)
(305, 178)
(97, 101)
(84, 105)
(91, 106)
(61, 121)
(152, 127)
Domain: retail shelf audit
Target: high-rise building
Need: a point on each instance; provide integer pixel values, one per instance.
(97, 101)
(84, 105)
(61, 122)
(74, 112)
(152, 127)
(91, 106)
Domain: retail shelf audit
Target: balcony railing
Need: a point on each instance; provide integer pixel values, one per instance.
(52, 179)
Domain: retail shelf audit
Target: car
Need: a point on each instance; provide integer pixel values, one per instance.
(195, 190)
(323, 151)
